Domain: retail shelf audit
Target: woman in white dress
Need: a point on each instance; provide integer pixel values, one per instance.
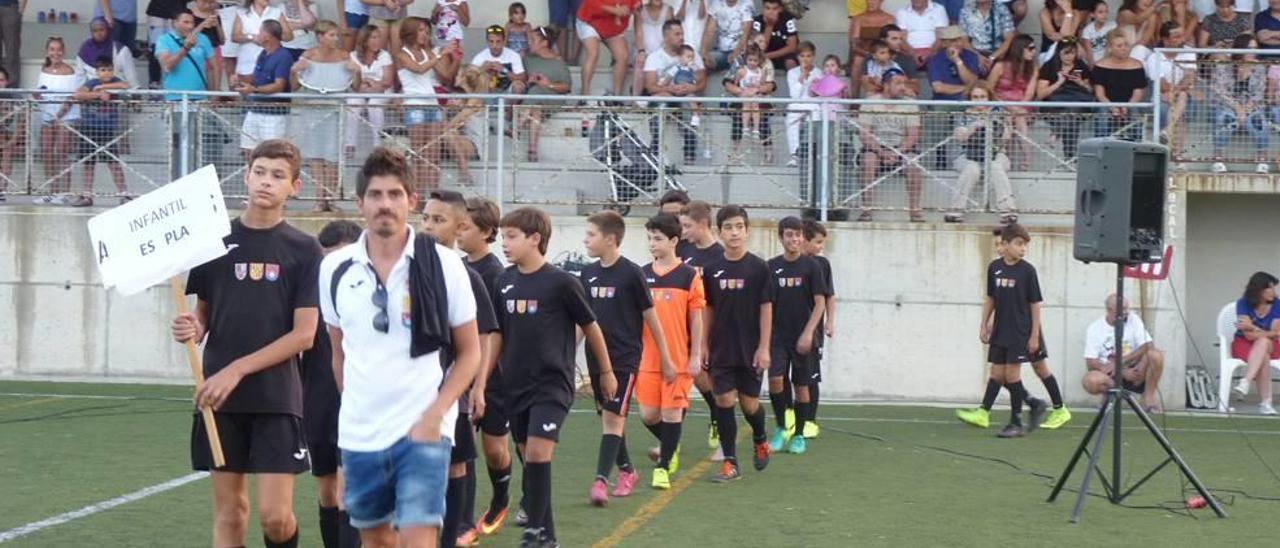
(57, 114)
(326, 68)
(244, 32)
(377, 75)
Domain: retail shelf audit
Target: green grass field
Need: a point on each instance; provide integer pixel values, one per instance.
(878, 476)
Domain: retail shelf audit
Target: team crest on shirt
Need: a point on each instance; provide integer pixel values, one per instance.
(272, 272)
(511, 306)
(521, 306)
(724, 284)
(1006, 282)
(533, 306)
(242, 270)
(255, 271)
(406, 311)
(610, 292)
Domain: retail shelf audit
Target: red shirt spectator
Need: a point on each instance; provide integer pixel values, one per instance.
(606, 23)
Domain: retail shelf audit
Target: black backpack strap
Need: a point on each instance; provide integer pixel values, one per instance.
(333, 282)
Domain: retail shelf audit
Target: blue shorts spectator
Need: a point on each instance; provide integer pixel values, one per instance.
(403, 485)
(562, 12)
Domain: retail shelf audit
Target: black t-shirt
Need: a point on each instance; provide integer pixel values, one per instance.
(1119, 84)
(321, 398)
(700, 258)
(486, 319)
(252, 293)
(619, 296)
(684, 248)
(489, 269)
(1013, 288)
(212, 33)
(783, 30)
(830, 284)
(538, 314)
(735, 292)
(794, 285)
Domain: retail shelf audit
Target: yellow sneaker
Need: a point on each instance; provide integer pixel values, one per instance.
(1056, 418)
(789, 419)
(661, 479)
(811, 430)
(977, 417)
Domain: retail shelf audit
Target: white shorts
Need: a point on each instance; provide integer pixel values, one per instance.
(585, 30)
(259, 127)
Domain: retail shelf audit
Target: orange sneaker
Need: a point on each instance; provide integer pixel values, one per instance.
(470, 537)
(490, 522)
(728, 472)
(761, 457)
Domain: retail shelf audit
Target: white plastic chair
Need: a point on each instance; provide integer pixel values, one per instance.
(1227, 364)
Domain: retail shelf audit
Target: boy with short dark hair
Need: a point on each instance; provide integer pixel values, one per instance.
(815, 243)
(444, 215)
(799, 301)
(697, 248)
(673, 201)
(739, 318)
(620, 299)
(1011, 325)
(100, 122)
(321, 402)
(678, 300)
(539, 307)
(257, 305)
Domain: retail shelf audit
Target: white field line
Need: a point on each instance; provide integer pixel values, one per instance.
(97, 507)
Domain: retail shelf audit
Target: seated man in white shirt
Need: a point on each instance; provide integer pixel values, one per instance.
(1142, 362)
(503, 64)
(921, 19)
(1175, 73)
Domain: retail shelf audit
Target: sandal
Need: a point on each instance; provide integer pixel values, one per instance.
(81, 201)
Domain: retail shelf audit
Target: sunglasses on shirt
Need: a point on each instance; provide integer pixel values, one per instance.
(381, 322)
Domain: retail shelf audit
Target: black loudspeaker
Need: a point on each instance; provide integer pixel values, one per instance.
(1120, 198)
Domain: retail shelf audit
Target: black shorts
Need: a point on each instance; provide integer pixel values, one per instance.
(96, 136)
(495, 421)
(464, 441)
(320, 421)
(253, 443)
(784, 360)
(1002, 355)
(541, 420)
(744, 379)
(621, 398)
(326, 458)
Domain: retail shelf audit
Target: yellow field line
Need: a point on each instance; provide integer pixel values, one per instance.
(29, 402)
(660, 501)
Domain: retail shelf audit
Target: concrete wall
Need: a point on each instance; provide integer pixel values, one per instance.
(909, 301)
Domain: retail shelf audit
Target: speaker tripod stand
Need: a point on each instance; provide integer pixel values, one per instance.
(1112, 410)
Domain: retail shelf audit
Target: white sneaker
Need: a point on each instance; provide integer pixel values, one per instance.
(793, 161)
(1263, 167)
(1241, 389)
(1267, 409)
(1219, 167)
(695, 120)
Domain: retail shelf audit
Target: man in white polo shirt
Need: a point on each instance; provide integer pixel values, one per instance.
(921, 20)
(398, 410)
(1142, 363)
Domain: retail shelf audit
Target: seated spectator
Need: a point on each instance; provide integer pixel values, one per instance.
(799, 114)
(1257, 338)
(548, 75)
(686, 72)
(1014, 78)
(865, 28)
(779, 26)
(1143, 16)
(728, 28)
(952, 69)
(1180, 13)
(1141, 363)
(1093, 37)
(989, 27)
(1266, 25)
(921, 20)
(971, 133)
(659, 62)
(648, 37)
(902, 53)
(873, 69)
(466, 130)
(100, 126)
(890, 135)
(449, 19)
(366, 115)
(1222, 26)
(1175, 73)
(504, 66)
(1239, 87)
(99, 44)
(768, 85)
(1057, 22)
(1066, 79)
(265, 116)
(1119, 79)
(605, 21)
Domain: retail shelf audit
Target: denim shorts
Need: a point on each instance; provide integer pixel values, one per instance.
(356, 21)
(426, 115)
(403, 484)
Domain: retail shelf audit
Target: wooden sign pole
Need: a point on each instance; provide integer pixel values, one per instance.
(197, 374)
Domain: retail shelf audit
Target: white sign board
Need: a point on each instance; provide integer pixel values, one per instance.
(162, 233)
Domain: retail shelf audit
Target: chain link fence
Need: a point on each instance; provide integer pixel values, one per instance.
(849, 159)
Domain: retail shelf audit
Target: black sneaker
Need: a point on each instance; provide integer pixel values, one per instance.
(1038, 410)
(1011, 430)
(532, 538)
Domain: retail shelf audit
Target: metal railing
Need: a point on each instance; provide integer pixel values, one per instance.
(832, 157)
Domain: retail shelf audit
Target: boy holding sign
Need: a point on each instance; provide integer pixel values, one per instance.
(257, 306)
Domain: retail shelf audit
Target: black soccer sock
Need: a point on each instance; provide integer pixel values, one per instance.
(609, 444)
(779, 403)
(1018, 394)
(538, 501)
(993, 390)
(813, 401)
(655, 429)
(788, 393)
(670, 442)
(624, 456)
(469, 498)
(759, 432)
(549, 522)
(710, 398)
(329, 526)
(292, 542)
(348, 535)
(802, 414)
(727, 426)
(1055, 393)
(500, 479)
(452, 512)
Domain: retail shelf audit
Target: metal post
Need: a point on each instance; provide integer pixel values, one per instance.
(1155, 107)
(338, 193)
(499, 165)
(987, 160)
(1117, 380)
(662, 145)
(184, 137)
(29, 146)
(824, 183)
